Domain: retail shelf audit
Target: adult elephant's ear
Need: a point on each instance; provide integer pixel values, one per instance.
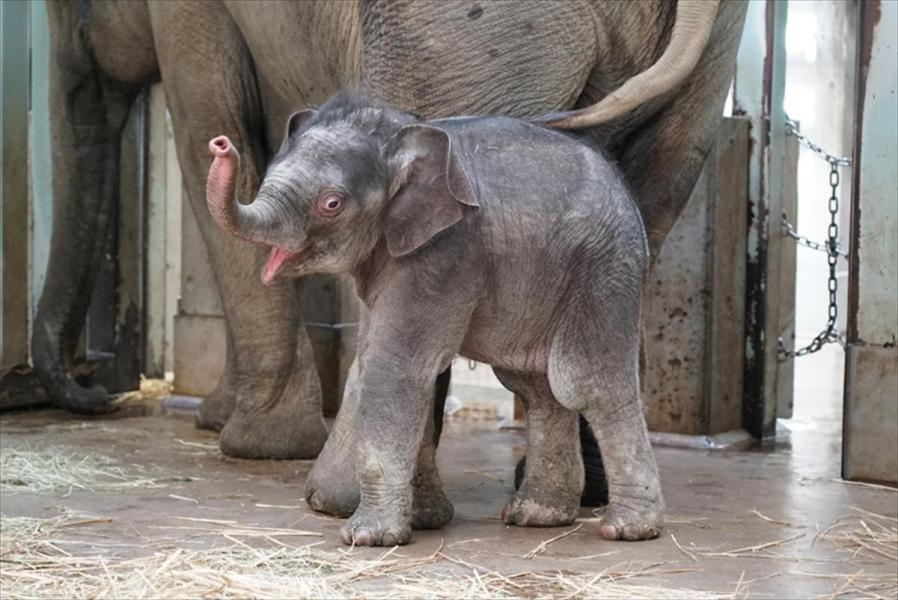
(429, 190)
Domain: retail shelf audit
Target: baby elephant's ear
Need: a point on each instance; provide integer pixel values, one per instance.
(296, 121)
(429, 191)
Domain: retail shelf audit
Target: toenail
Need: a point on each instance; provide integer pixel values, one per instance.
(346, 536)
(608, 531)
(363, 537)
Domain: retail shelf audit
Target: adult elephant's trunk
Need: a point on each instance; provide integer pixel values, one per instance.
(694, 21)
(246, 222)
(88, 113)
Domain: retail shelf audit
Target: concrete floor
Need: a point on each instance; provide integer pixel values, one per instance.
(711, 497)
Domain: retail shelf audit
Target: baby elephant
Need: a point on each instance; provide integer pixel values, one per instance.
(493, 238)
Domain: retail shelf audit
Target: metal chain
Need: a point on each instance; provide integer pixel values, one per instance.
(789, 230)
(831, 247)
(837, 161)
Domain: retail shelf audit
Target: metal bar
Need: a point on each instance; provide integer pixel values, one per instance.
(758, 93)
(155, 301)
(786, 328)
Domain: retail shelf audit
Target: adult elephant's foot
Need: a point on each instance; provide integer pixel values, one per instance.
(217, 407)
(281, 433)
(277, 411)
(65, 393)
(377, 527)
(431, 508)
(625, 523)
(290, 428)
(331, 487)
(595, 486)
(94, 400)
(595, 483)
(541, 508)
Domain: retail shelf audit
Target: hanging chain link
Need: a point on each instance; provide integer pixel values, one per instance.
(838, 161)
(789, 230)
(831, 246)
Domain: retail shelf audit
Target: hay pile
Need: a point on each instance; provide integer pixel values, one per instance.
(864, 534)
(55, 469)
(41, 559)
(864, 537)
(150, 390)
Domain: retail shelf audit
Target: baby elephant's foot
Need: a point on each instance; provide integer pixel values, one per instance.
(543, 510)
(431, 509)
(620, 523)
(374, 528)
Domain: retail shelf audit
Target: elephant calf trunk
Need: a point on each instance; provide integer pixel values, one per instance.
(221, 184)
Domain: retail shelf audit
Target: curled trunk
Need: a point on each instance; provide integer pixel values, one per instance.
(247, 222)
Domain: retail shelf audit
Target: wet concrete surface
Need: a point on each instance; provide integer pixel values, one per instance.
(714, 499)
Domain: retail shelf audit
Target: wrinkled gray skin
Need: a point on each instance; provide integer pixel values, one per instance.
(490, 237)
(467, 59)
(240, 68)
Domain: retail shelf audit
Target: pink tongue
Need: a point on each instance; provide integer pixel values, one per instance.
(277, 259)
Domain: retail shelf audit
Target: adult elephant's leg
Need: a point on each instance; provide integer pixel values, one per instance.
(431, 508)
(550, 492)
(218, 406)
(88, 110)
(663, 160)
(332, 487)
(211, 90)
(595, 484)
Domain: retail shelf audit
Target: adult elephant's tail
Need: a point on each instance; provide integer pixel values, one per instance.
(694, 21)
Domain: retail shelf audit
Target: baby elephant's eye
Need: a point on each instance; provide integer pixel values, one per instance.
(330, 204)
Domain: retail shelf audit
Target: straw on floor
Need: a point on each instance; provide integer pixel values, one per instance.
(44, 558)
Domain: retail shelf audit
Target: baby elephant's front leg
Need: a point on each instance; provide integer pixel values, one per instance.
(392, 418)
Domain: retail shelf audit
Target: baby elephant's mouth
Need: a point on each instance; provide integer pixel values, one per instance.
(278, 259)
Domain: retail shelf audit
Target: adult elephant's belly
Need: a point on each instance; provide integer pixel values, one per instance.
(303, 52)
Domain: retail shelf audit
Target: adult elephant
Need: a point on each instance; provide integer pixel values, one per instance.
(239, 68)
(224, 68)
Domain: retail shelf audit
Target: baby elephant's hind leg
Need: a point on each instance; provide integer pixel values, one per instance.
(550, 492)
(593, 368)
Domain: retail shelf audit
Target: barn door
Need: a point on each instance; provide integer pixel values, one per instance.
(871, 356)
